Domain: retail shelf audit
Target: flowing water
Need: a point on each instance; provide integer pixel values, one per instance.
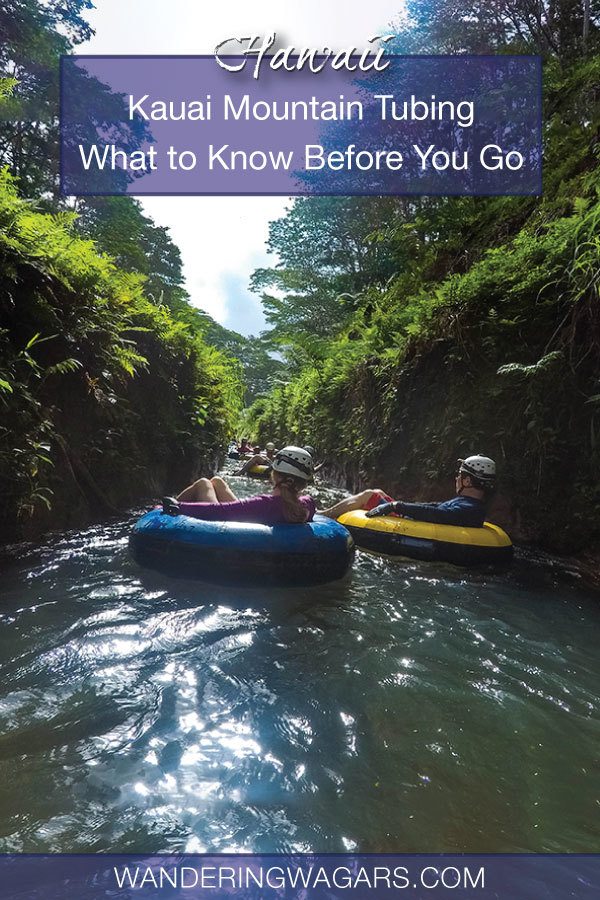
(411, 707)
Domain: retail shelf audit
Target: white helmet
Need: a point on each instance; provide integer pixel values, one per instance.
(269, 446)
(481, 468)
(294, 461)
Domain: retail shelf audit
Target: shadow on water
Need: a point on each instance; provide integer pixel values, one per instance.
(411, 706)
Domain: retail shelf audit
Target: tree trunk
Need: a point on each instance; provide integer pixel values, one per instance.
(586, 24)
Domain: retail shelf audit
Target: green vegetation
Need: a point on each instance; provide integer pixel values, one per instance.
(34, 35)
(402, 332)
(487, 335)
(261, 370)
(110, 387)
(105, 396)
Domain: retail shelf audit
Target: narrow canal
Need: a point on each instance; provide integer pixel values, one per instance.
(411, 707)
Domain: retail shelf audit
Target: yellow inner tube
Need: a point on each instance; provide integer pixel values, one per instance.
(259, 471)
(488, 536)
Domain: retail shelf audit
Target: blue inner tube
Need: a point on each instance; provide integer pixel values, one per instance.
(242, 552)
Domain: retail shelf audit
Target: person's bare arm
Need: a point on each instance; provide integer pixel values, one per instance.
(358, 501)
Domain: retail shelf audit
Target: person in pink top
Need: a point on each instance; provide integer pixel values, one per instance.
(213, 500)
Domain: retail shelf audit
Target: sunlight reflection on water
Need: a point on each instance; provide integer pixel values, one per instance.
(409, 707)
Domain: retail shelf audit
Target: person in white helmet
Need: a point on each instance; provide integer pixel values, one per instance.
(475, 480)
(313, 453)
(213, 500)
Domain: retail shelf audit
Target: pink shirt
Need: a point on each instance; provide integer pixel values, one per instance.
(265, 509)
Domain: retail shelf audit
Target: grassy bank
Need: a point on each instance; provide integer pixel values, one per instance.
(105, 396)
(487, 340)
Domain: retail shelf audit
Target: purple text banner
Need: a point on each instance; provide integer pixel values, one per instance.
(441, 125)
(300, 877)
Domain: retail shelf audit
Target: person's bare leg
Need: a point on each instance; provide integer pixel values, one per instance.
(255, 461)
(222, 490)
(358, 501)
(201, 491)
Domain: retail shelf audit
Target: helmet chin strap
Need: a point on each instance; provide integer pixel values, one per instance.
(462, 488)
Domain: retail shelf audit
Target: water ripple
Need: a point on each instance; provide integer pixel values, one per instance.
(410, 706)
